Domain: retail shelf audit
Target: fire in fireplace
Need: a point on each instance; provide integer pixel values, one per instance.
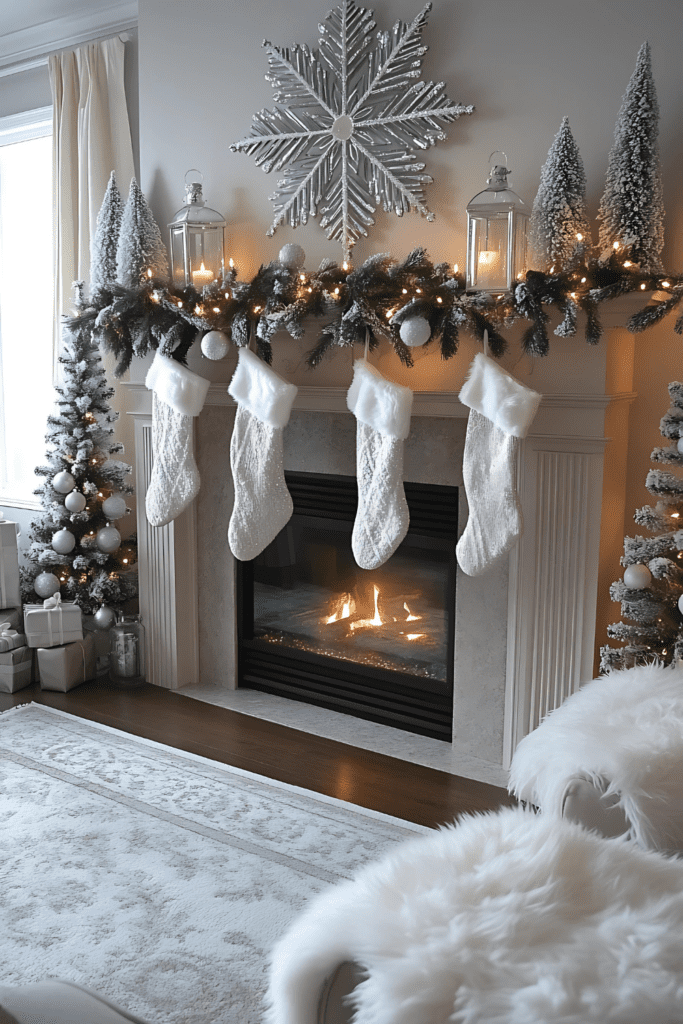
(377, 644)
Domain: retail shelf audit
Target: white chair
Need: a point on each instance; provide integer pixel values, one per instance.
(611, 757)
(506, 915)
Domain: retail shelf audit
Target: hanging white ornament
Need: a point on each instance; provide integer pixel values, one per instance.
(680, 445)
(63, 482)
(108, 539)
(104, 617)
(292, 256)
(415, 331)
(680, 604)
(46, 584)
(63, 541)
(75, 501)
(637, 577)
(114, 507)
(215, 345)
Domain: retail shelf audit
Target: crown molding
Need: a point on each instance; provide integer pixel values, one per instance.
(30, 47)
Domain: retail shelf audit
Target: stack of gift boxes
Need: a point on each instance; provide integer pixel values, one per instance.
(47, 643)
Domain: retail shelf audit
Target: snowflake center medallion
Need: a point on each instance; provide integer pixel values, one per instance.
(342, 128)
(346, 119)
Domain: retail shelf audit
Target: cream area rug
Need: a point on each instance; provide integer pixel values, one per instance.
(159, 878)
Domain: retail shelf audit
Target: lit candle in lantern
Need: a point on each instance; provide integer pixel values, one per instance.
(201, 277)
(488, 268)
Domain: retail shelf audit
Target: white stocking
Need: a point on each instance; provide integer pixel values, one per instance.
(263, 505)
(178, 396)
(382, 410)
(501, 412)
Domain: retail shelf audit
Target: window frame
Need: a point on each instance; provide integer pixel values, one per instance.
(22, 127)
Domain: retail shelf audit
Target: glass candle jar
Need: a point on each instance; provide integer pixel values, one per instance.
(127, 651)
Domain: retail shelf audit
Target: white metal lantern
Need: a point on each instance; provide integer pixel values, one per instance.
(497, 222)
(196, 238)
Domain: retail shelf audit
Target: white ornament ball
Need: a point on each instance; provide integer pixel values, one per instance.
(114, 507)
(63, 541)
(680, 445)
(215, 345)
(46, 584)
(292, 256)
(108, 539)
(104, 617)
(680, 604)
(63, 482)
(75, 501)
(415, 331)
(637, 577)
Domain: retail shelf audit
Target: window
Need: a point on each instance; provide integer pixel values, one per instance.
(26, 301)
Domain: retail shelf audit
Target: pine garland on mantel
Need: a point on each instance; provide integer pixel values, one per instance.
(376, 297)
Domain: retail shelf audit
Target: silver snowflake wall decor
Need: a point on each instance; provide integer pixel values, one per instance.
(345, 119)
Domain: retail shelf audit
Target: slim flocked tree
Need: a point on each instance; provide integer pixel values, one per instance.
(632, 208)
(653, 581)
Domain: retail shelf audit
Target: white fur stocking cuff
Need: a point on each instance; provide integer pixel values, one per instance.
(379, 403)
(256, 387)
(490, 390)
(180, 388)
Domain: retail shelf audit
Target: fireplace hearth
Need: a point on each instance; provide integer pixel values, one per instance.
(376, 644)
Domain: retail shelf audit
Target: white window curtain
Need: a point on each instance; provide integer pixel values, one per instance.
(91, 138)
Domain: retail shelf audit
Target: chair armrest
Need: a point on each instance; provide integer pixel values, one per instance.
(585, 804)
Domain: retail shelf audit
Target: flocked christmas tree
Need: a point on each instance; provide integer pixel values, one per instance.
(632, 209)
(559, 229)
(76, 549)
(141, 251)
(651, 592)
(106, 240)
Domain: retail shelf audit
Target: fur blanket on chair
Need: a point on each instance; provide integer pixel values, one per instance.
(625, 728)
(504, 918)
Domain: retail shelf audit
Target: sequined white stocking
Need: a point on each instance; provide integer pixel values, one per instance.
(178, 396)
(382, 410)
(263, 505)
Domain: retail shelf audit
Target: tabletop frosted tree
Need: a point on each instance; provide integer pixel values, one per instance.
(651, 592)
(75, 548)
(141, 252)
(559, 229)
(103, 261)
(632, 208)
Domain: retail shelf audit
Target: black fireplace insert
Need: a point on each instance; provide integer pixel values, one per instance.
(373, 643)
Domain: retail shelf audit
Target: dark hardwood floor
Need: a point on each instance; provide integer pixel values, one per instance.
(361, 777)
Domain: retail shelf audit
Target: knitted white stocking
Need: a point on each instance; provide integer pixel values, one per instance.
(263, 505)
(382, 410)
(501, 412)
(179, 396)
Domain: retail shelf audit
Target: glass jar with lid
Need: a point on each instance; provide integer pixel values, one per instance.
(127, 651)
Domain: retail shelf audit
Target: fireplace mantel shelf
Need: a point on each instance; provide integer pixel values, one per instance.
(444, 404)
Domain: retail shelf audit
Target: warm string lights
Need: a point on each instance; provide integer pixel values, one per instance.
(380, 292)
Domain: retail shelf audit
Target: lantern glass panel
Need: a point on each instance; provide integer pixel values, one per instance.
(496, 235)
(488, 251)
(196, 239)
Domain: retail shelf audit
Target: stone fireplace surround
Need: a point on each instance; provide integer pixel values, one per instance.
(525, 630)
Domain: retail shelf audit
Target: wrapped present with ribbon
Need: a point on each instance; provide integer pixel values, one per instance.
(10, 595)
(52, 623)
(63, 668)
(10, 638)
(15, 669)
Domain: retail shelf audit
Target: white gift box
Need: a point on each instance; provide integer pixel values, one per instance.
(62, 668)
(10, 638)
(15, 669)
(10, 595)
(52, 623)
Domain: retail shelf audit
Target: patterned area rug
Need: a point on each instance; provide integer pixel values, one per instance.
(159, 878)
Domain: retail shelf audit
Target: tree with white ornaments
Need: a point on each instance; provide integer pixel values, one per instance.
(651, 591)
(559, 229)
(76, 545)
(632, 209)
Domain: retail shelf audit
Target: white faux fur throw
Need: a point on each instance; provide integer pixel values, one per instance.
(256, 387)
(378, 402)
(504, 918)
(626, 728)
(177, 386)
(491, 390)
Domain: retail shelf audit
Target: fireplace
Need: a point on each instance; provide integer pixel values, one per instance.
(376, 644)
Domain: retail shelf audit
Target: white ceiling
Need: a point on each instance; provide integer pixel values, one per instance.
(32, 29)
